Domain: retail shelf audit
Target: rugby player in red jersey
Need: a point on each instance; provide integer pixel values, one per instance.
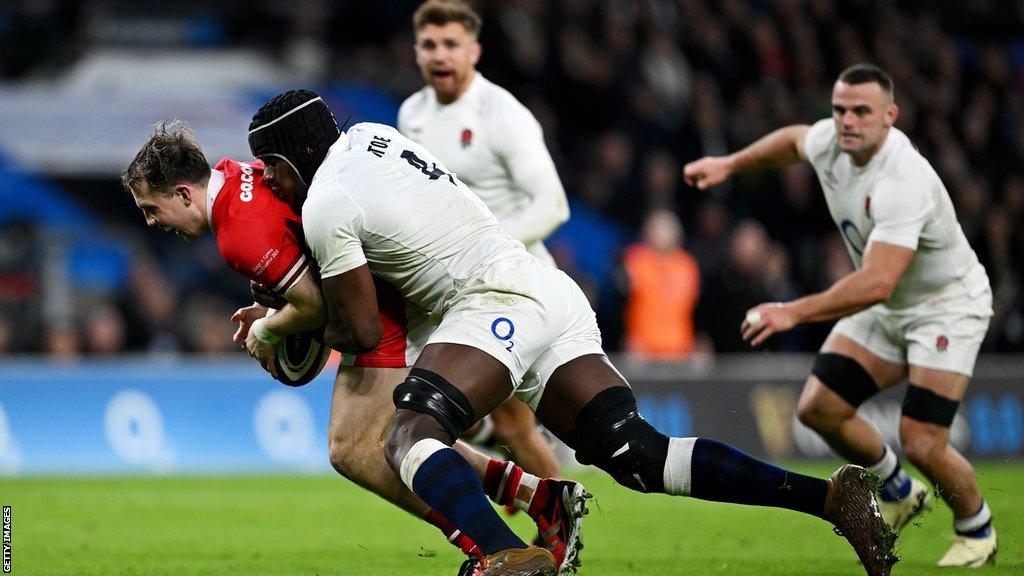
(260, 236)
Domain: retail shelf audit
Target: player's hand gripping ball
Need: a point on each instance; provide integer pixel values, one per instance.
(297, 358)
(301, 357)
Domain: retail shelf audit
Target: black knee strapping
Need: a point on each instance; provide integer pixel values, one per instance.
(926, 406)
(428, 393)
(844, 376)
(610, 434)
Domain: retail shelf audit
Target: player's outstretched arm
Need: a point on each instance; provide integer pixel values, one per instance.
(883, 266)
(353, 320)
(780, 148)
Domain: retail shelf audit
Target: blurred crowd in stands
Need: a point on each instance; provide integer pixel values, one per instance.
(627, 92)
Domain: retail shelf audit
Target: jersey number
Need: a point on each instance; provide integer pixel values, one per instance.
(433, 173)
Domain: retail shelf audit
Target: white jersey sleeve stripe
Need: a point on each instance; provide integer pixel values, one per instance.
(293, 275)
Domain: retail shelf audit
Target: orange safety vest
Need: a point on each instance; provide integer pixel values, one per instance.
(663, 294)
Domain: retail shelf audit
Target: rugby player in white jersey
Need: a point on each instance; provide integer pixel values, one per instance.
(380, 205)
(916, 308)
(496, 147)
(260, 236)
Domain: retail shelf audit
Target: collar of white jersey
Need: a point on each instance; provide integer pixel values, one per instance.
(217, 180)
(887, 146)
(343, 143)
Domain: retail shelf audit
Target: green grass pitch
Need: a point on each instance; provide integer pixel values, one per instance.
(279, 526)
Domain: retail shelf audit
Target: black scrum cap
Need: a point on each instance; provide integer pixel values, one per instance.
(297, 127)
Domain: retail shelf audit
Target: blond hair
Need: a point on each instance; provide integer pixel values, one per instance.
(441, 12)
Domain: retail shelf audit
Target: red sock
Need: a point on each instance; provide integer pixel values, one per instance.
(502, 481)
(453, 534)
(508, 484)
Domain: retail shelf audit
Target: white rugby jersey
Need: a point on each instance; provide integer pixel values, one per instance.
(495, 145)
(897, 198)
(383, 200)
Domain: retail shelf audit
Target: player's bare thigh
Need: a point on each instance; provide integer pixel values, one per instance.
(947, 384)
(362, 404)
(571, 387)
(483, 380)
(815, 394)
(361, 411)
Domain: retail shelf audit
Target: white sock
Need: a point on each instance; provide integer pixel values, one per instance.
(887, 465)
(895, 481)
(527, 490)
(678, 475)
(975, 522)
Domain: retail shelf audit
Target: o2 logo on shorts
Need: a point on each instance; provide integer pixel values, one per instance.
(503, 329)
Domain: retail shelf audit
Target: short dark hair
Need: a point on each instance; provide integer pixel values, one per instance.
(171, 155)
(441, 12)
(864, 73)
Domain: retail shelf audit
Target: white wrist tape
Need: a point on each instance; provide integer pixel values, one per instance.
(263, 334)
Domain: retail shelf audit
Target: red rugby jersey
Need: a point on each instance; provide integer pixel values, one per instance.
(258, 234)
(260, 237)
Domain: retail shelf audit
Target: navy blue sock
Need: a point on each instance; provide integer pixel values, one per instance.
(982, 532)
(896, 487)
(722, 473)
(448, 484)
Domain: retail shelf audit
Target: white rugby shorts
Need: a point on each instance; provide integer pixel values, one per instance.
(943, 334)
(529, 316)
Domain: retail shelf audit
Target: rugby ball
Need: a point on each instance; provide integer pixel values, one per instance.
(301, 357)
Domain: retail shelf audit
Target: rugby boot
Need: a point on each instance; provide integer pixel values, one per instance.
(899, 513)
(531, 561)
(967, 552)
(558, 507)
(851, 507)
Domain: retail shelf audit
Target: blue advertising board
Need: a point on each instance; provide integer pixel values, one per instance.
(162, 416)
(184, 415)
